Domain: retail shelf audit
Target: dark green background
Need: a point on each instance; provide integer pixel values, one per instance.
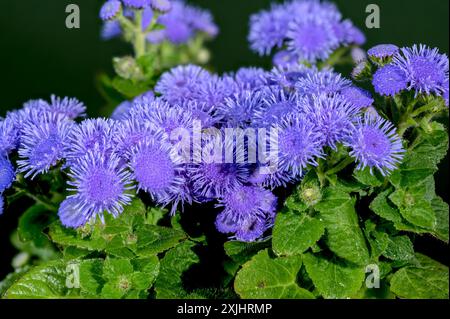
(39, 56)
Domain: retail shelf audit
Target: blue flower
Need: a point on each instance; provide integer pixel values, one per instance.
(374, 143)
(276, 104)
(100, 184)
(426, 69)
(132, 132)
(9, 135)
(381, 53)
(248, 212)
(110, 9)
(357, 96)
(7, 174)
(268, 29)
(122, 111)
(137, 4)
(161, 5)
(332, 116)
(389, 80)
(311, 38)
(178, 84)
(110, 30)
(239, 109)
(2, 204)
(322, 82)
(287, 76)
(43, 143)
(251, 78)
(89, 135)
(299, 145)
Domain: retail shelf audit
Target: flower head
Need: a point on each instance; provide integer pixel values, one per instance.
(178, 84)
(356, 96)
(161, 5)
(375, 144)
(250, 78)
(332, 116)
(2, 204)
(299, 144)
(248, 212)
(9, 135)
(322, 82)
(110, 9)
(110, 29)
(100, 184)
(7, 174)
(426, 69)
(43, 143)
(389, 80)
(238, 110)
(137, 4)
(382, 53)
(130, 133)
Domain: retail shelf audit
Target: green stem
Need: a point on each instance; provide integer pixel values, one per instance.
(139, 38)
(343, 164)
(40, 200)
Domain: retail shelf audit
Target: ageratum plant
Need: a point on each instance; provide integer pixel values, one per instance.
(293, 182)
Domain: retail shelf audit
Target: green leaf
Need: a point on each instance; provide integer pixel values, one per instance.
(365, 177)
(343, 234)
(382, 206)
(91, 280)
(429, 280)
(440, 208)
(333, 278)
(265, 278)
(169, 283)
(378, 240)
(400, 249)
(155, 239)
(294, 233)
(129, 88)
(33, 222)
(154, 215)
(70, 237)
(241, 252)
(44, 281)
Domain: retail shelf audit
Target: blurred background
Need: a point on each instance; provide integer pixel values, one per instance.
(39, 56)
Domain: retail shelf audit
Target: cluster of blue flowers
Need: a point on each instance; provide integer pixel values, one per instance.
(180, 22)
(302, 30)
(418, 68)
(300, 114)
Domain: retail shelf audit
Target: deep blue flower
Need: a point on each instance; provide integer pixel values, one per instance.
(357, 96)
(161, 5)
(7, 174)
(100, 184)
(89, 135)
(130, 133)
(311, 38)
(285, 58)
(122, 111)
(332, 116)
(288, 75)
(137, 4)
(110, 30)
(322, 82)
(43, 143)
(110, 9)
(425, 68)
(389, 80)
(248, 212)
(268, 29)
(374, 143)
(179, 83)
(299, 145)
(251, 78)
(382, 52)
(239, 109)
(9, 135)
(275, 104)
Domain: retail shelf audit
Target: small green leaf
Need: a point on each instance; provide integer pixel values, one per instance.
(241, 252)
(129, 88)
(343, 234)
(169, 283)
(294, 233)
(429, 280)
(70, 237)
(400, 249)
(155, 239)
(265, 278)
(33, 222)
(44, 281)
(367, 178)
(91, 280)
(334, 279)
(382, 206)
(440, 228)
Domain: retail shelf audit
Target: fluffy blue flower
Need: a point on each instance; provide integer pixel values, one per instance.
(239, 109)
(7, 174)
(178, 84)
(161, 5)
(357, 96)
(251, 78)
(374, 143)
(382, 51)
(214, 91)
(275, 104)
(425, 68)
(159, 171)
(122, 111)
(43, 143)
(130, 133)
(285, 58)
(268, 29)
(299, 145)
(89, 135)
(110, 30)
(332, 116)
(311, 38)
(137, 4)
(389, 80)
(9, 135)
(248, 212)
(288, 75)
(100, 184)
(322, 82)
(110, 9)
